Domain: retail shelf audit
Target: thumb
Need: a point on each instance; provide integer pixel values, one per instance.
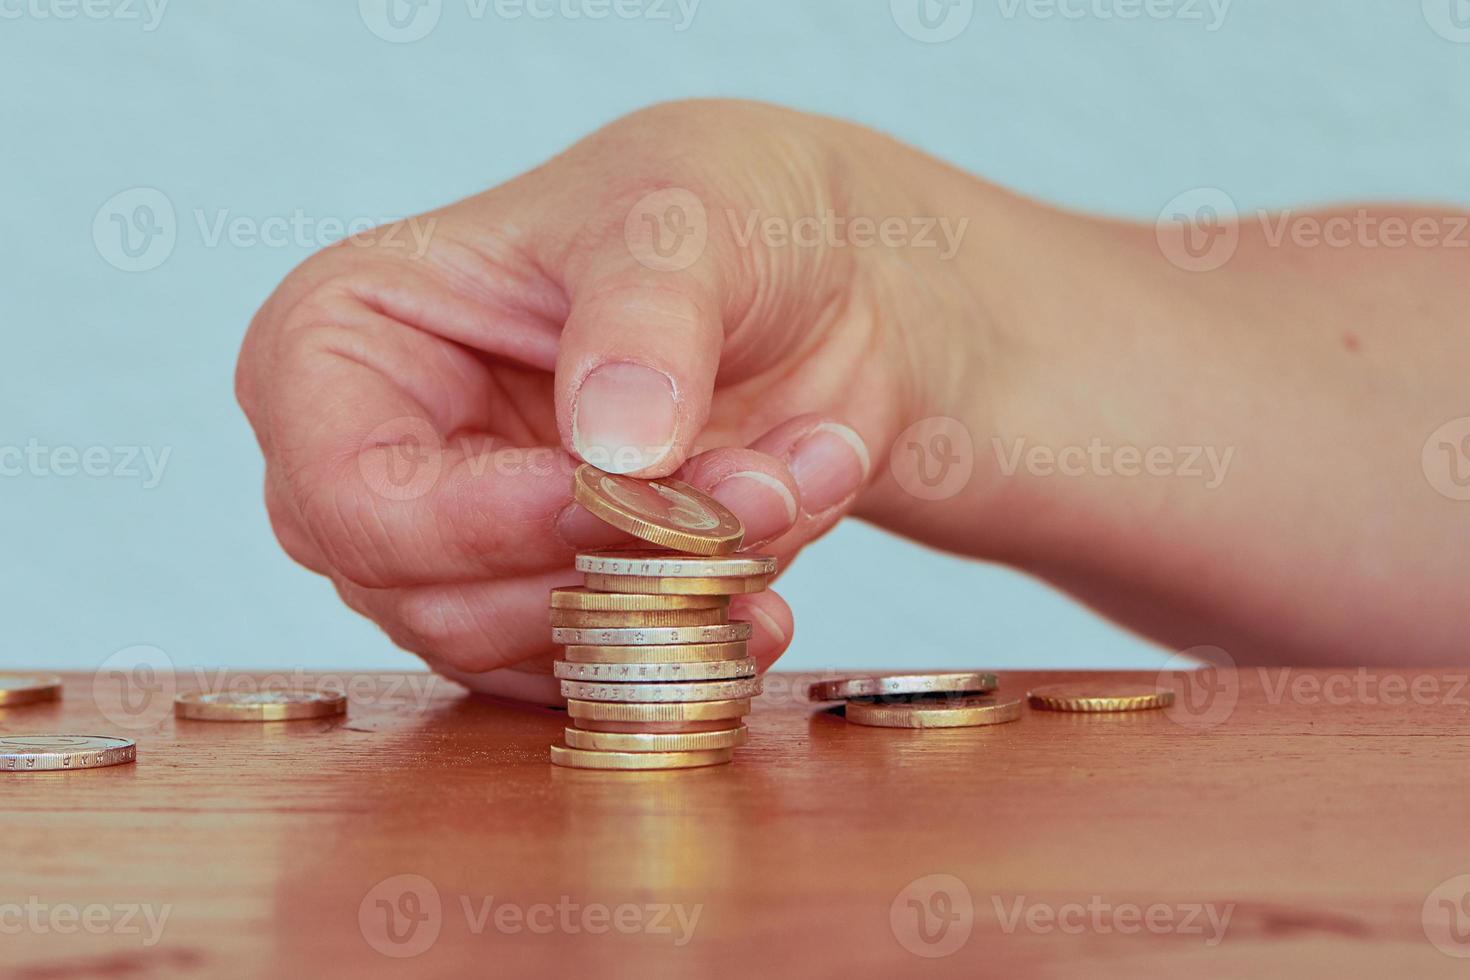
(635, 369)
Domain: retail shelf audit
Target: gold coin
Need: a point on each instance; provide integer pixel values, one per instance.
(674, 711)
(964, 713)
(51, 753)
(661, 564)
(664, 512)
(633, 636)
(679, 653)
(648, 585)
(259, 706)
(653, 727)
(902, 684)
(593, 619)
(18, 689)
(725, 738)
(645, 673)
(587, 759)
(1099, 696)
(582, 598)
(745, 687)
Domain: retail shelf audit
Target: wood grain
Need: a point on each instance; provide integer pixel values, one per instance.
(1323, 819)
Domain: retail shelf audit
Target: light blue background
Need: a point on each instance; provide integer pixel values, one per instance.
(268, 107)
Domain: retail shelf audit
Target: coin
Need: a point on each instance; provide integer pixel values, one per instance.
(1100, 695)
(960, 714)
(675, 711)
(664, 512)
(585, 759)
(679, 653)
(658, 564)
(893, 684)
(654, 727)
(679, 586)
(50, 753)
(18, 689)
(726, 738)
(584, 598)
(652, 636)
(589, 619)
(745, 687)
(639, 673)
(259, 706)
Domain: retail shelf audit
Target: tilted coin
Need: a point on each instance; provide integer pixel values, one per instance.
(746, 687)
(52, 753)
(592, 619)
(672, 712)
(679, 586)
(18, 689)
(879, 686)
(623, 673)
(259, 705)
(1099, 696)
(659, 564)
(579, 597)
(727, 738)
(651, 636)
(679, 653)
(664, 512)
(961, 714)
(586, 759)
(653, 727)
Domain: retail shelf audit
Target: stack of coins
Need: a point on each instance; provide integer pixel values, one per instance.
(960, 699)
(655, 673)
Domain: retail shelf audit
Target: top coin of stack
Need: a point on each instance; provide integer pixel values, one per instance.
(655, 674)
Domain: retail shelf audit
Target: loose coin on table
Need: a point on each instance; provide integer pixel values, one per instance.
(725, 738)
(965, 713)
(54, 753)
(18, 689)
(652, 635)
(638, 618)
(597, 759)
(655, 694)
(714, 670)
(259, 706)
(679, 653)
(664, 512)
(585, 599)
(1100, 696)
(900, 684)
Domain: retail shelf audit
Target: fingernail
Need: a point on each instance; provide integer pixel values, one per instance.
(761, 501)
(623, 417)
(829, 465)
(580, 529)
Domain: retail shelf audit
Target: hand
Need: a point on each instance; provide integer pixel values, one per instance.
(422, 393)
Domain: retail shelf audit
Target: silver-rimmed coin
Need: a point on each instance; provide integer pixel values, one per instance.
(713, 670)
(56, 753)
(651, 636)
(970, 682)
(662, 693)
(660, 564)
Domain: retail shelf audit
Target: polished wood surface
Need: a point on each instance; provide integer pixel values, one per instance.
(1322, 809)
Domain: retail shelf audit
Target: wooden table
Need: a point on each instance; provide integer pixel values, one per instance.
(1323, 819)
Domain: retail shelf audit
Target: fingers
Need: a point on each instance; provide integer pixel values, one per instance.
(829, 465)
